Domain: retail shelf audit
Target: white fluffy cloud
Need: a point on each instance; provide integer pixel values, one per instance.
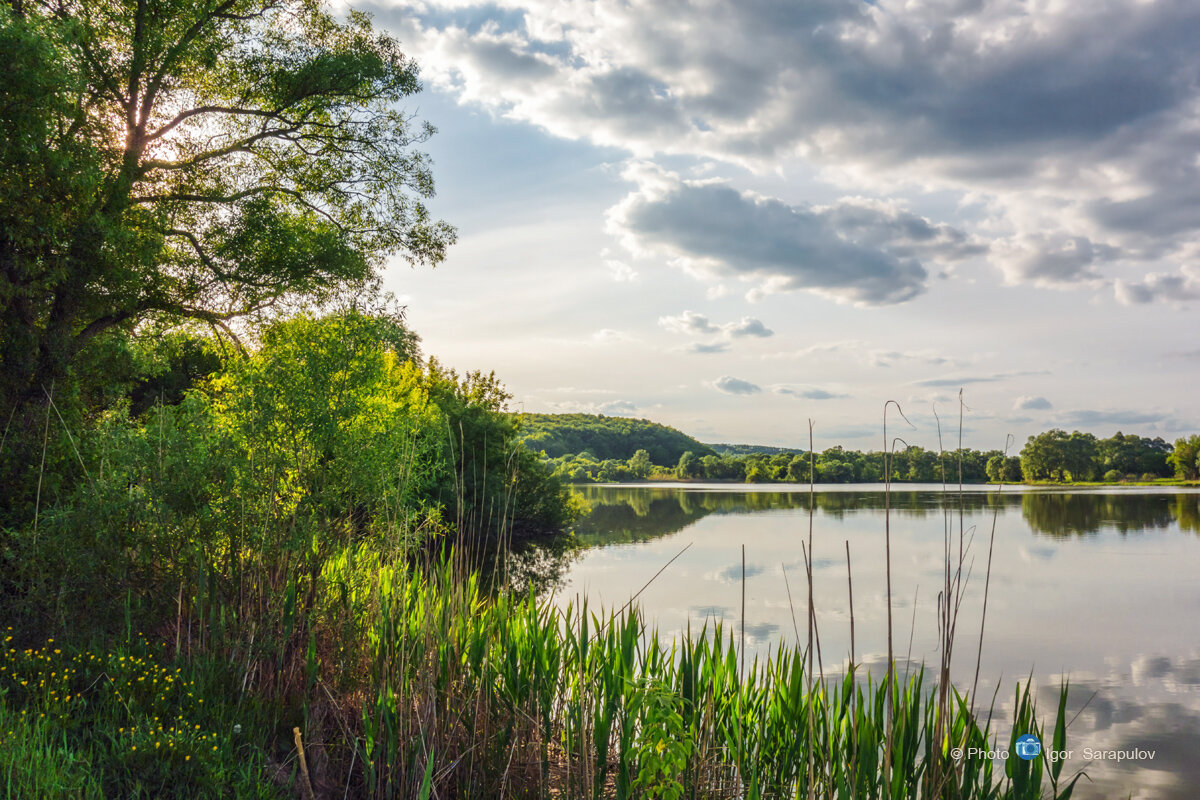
(1029, 403)
(1069, 127)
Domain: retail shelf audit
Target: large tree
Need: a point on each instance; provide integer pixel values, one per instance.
(201, 159)
(1055, 455)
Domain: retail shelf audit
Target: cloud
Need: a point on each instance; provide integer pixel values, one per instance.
(575, 390)
(951, 382)
(761, 631)
(713, 611)
(969, 379)
(1090, 418)
(1056, 259)
(1029, 403)
(618, 407)
(689, 322)
(852, 251)
(870, 356)
(838, 433)
(620, 271)
(755, 80)
(692, 323)
(808, 394)
(1157, 286)
(730, 385)
(707, 347)
(612, 408)
(733, 573)
(1071, 124)
(749, 326)
(610, 336)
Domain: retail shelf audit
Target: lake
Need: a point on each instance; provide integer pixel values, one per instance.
(1099, 586)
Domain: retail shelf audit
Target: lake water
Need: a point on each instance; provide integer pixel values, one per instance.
(1098, 586)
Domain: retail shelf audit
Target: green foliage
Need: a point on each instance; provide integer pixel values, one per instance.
(168, 364)
(1051, 456)
(689, 466)
(1133, 455)
(580, 448)
(749, 449)
(324, 437)
(605, 437)
(202, 161)
(1185, 457)
(1004, 469)
(143, 723)
(330, 424)
(665, 747)
(37, 763)
(1055, 455)
(640, 464)
(595, 705)
(491, 482)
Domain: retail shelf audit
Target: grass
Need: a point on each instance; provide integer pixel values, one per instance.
(509, 697)
(1156, 482)
(128, 720)
(470, 695)
(35, 762)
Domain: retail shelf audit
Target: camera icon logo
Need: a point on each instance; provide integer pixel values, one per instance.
(1028, 747)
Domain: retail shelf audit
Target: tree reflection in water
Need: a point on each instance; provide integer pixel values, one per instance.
(640, 514)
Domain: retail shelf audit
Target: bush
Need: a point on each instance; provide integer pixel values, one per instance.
(1113, 475)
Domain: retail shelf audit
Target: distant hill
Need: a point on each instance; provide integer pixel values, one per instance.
(751, 449)
(606, 437)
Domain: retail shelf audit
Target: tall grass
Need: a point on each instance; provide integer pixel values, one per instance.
(510, 697)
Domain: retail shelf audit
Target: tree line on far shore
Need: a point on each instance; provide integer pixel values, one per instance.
(1053, 456)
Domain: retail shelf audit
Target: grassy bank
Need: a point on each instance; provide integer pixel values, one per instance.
(428, 687)
(1167, 482)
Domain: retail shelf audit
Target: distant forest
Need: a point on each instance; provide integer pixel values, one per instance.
(606, 438)
(584, 448)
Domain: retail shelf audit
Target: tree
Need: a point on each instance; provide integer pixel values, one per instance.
(1185, 458)
(1055, 455)
(689, 466)
(639, 464)
(798, 468)
(1003, 469)
(1134, 455)
(203, 159)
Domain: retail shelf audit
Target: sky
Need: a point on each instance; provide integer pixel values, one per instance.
(736, 217)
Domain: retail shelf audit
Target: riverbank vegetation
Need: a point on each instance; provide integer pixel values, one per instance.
(418, 685)
(1051, 457)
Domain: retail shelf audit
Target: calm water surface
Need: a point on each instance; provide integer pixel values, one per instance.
(1101, 587)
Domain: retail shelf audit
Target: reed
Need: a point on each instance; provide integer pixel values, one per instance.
(508, 696)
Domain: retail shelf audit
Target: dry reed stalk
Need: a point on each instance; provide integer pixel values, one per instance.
(306, 783)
